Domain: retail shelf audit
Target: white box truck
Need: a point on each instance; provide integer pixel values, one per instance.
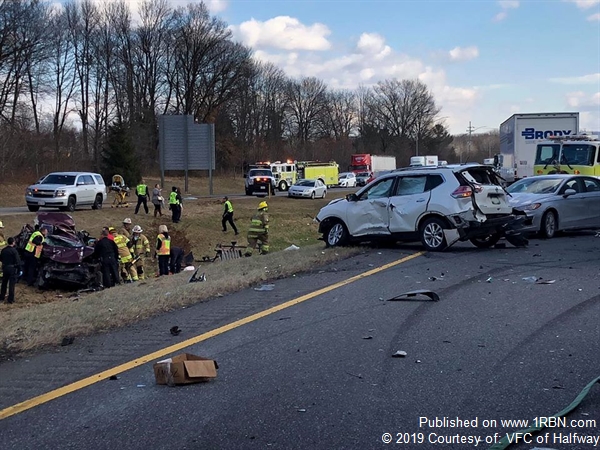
(424, 161)
(520, 134)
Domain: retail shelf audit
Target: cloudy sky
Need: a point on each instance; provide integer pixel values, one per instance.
(483, 60)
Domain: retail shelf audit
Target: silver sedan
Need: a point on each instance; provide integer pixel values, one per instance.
(308, 189)
(557, 202)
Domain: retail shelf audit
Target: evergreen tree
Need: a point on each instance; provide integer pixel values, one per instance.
(118, 156)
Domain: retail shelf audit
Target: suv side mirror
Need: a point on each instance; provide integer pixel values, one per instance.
(569, 192)
(352, 198)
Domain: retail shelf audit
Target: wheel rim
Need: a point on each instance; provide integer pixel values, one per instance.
(433, 235)
(550, 225)
(312, 195)
(335, 234)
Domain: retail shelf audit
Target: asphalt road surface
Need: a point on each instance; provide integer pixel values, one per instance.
(320, 374)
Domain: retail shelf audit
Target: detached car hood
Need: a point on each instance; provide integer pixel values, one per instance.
(522, 199)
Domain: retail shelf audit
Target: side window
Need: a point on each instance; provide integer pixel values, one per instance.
(99, 179)
(87, 179)
(433, 181)
(411, 185)
(379, 190)
(571, 184)
(592, 185)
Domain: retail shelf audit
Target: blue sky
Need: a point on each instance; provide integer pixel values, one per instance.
(483, 60)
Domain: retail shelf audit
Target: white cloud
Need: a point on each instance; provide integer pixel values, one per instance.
(583, 79)
(374, 44)
(594, 18)
(283, 32)
(500, 16)
(584, 4)
(584, 100)
(505, 5)
(463, 53)
(216, 6)
(508, 4)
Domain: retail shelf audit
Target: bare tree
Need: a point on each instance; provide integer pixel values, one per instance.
(306, 107)
(342, 113)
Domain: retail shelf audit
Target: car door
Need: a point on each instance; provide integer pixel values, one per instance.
(592, 201)
(572, 209)
(369, 214)
(85, 189)
(319, 188)
(408, 202)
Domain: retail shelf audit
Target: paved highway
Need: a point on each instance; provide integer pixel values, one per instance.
(320, 373)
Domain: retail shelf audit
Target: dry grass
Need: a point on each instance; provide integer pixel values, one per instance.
(40, 318)
(24, 329)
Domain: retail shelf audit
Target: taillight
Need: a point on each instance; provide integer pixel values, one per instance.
(462, 192)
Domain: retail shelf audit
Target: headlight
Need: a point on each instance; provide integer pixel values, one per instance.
(29, 192)
(306, 191)
(60, 193)
(532, 207)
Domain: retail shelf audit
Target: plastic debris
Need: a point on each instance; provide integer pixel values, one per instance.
(418, 361)
(489, 280)
(175, 330)
(432, 278)
(367, 337)
(265, 287)
(302, 410)
(113, 377)
(540, 281)
(399, 354)
(189, 268)
(408, 296)
(292, 247)
(141, 385)
(197, 278)
(531, 279)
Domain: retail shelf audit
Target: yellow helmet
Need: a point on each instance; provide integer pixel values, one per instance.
(262, 205)
(1, 224)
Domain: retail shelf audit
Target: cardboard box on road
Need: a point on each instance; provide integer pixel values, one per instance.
(184, 368)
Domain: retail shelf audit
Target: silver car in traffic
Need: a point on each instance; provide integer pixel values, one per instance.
(308, 189)
(557, 202)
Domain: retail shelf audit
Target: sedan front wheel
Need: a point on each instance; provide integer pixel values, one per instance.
(549, 225)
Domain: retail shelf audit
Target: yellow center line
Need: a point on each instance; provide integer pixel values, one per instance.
(52, 395)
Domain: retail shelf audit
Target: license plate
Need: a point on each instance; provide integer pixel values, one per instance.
(41, 203)
(263, 187)
(495, 199)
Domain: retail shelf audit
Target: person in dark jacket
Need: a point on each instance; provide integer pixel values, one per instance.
(176, 259)
(108, 253)
(11, 268)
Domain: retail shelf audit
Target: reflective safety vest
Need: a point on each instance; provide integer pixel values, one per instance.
(124, 252)
(173, 199)
(31, 247)
(259, 224)
(165, 245)
(3, 242)
(141, 245)
(141, 189)
(228, 207)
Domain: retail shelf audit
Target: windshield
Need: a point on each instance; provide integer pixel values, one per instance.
(344, 175)
(54, 178)
(547, 153)
(535, 186)
(364, 174)
(359, 167)
(305, 183)
(578, 154)
(260, 173)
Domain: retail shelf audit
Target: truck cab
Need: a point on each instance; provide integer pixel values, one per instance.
(575, 154)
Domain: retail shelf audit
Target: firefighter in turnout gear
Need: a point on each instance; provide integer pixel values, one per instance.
(163, 249)
(141, 249)
(126, 230)
(33, 253)
(126, 268)
(258, 234)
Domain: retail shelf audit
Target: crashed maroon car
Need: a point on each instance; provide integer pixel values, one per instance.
(67, 257)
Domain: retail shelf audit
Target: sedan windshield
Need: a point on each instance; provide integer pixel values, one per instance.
(59, 179)
(310, 183)
(535, 186)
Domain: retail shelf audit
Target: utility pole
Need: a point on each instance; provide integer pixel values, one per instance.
(469, 130)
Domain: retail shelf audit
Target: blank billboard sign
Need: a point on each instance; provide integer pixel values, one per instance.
(184, 144)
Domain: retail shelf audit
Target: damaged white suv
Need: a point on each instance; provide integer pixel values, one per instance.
(438, 206)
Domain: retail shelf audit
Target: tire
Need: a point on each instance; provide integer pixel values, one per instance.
(485, 242)
(248, 192)
(432, 234)
(283, 186)
(33, 208)
(336, 235)
(71, 204)
(97, 202)
(549, 225)
(312, 195)
(324, 193)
